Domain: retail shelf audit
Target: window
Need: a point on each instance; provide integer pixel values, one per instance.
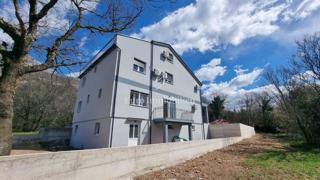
(95, 69)
(169, 78)
(97, 128)
(139, 66)
(193, 108)
(79, 106)
(195, 89)
(75, 129)
(88, 98)
(138, 98)
(170, 57)
(170, 126)
(193, 128)
(100, 93)
(134, 131)
(83, 82)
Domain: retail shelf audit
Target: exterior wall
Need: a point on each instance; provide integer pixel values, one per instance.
(85, 137)
(230, 130)
(182, 92)
(106, 163)
(121, 132)
(98, 109)
(131, 80)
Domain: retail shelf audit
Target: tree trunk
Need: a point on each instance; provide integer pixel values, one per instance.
(8, 84)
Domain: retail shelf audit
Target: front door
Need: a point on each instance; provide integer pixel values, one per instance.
(169, 109)
(133, 134)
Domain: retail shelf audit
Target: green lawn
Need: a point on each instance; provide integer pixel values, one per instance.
(295, 161)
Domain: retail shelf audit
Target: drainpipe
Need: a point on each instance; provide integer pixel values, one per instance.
(114, 98)
(150, 94)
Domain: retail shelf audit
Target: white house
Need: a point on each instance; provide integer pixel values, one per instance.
(137, 92)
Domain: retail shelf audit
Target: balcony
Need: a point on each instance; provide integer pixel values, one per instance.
(174, 115)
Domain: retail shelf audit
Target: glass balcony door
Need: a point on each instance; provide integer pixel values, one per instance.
(169, 109)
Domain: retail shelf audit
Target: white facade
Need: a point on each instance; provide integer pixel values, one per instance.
(136, 105)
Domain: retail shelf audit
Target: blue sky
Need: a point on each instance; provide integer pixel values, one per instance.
(228, 44)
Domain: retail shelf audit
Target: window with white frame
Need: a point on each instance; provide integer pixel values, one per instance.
(100, 93)
(169, 78)
(170, 57)
(134, 131)
(97, 128)
(138, 98)
(139, 66)
(79, 106)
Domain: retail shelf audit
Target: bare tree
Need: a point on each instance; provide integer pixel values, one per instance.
(58, 50)
(298, 87)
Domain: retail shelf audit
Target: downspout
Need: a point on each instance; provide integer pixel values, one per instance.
(203, 133)
(114, 97)
(150, 94)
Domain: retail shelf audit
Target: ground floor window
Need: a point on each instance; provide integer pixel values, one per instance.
(133, 131)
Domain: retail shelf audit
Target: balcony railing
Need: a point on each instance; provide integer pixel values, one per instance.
(162, 113)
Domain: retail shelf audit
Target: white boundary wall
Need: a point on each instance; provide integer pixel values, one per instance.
(107, 163)
(230, 130)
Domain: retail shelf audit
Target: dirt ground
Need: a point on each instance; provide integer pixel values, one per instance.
(223, 164)
(30, 149)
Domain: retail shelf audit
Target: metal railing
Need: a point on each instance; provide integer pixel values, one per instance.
(159, 112)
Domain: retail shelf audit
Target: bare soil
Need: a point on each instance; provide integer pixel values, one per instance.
(27, 149)
(226, 163)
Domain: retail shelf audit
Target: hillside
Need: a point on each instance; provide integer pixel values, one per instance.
(44, 99)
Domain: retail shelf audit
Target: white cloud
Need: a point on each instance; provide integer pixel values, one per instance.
(234, 90)
(239, 70)
(73, 74)
(56, 21)
(245, 79)
(207, 24)
(208, 72)
(83, 41)
(298, 11)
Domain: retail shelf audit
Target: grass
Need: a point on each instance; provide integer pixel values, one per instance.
(295, 161)
(25, 133)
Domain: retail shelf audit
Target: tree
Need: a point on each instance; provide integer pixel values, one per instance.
(217, 106)
(30, 35)
(298, 88)
(42, 101)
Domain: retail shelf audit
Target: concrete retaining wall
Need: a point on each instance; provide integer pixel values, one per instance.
(45, 135)
(18, 140)
(107, 163)
(230, 130)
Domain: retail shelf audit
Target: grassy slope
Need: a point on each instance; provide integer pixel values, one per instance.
(296, 161)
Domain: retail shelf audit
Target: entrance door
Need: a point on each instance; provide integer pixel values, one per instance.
(133, 134)
(169, 109)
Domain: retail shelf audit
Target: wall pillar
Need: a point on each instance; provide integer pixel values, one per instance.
(190, 131)
(165, 132)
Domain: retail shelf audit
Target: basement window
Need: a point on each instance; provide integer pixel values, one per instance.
(83, 81)
(97, 128)
(79, 106)
(100, 93)
(88, 98)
